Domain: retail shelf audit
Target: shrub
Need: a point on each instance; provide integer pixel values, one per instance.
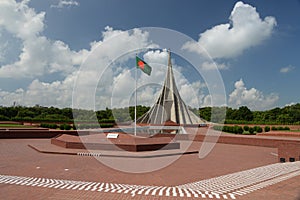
(246, 128)
(218, 128)
(228, 129)
(67, 126)
(251, 130)
(274, 128)
(106, 121)
(44, 125)
(52, 126)
(85, 126)
(235, 129)
(102, 125)
(259, 129)
(256, 128)
(287, 128)
(240, 130)
(62, 127)
(280, 128)
(267, 128)
(106, 125)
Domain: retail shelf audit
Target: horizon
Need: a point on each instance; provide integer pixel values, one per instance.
(191, 108)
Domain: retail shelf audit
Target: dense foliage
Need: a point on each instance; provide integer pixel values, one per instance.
(67, 115)
(241, 115)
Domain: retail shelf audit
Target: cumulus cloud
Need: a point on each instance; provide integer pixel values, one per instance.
(3, 46)
(287, 69)
(244, 30)
(19, 19)
(59, 93)
(213, 66)
(290, 104)
(65, 3)
(39, 55)
(252, 98)
(42, 56)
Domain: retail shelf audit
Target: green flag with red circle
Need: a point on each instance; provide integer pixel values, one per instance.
(143, 66)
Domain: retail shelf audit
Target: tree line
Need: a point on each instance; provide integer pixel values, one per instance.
(68, 115)
(242, 115)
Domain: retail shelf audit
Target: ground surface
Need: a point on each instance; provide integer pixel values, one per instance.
(234, 171)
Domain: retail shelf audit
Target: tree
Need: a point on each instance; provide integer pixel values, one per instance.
(205, 113)
(3, 118)
(26, 113)
(244, 113)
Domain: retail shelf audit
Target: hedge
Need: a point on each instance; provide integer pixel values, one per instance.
(280, 128)
(229, 129)
(65, 127)
(239, 130)
(87, 126)
(52, 126)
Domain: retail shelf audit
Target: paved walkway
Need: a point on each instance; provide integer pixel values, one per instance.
(228, 172)
(223, 187)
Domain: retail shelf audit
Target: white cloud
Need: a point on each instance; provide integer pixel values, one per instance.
(290, 104)
(3, 46)
(57, 93)
(252, 98)
(245, 29)
(20, 20)
(9, 98)
(39, 54)
(42, 56)
(213, 66)
(287, 69)
(65, 3)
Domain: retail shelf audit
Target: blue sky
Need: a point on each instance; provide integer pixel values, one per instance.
(260, 68)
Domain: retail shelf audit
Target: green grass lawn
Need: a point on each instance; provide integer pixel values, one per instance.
(15, 126)
(297, 131)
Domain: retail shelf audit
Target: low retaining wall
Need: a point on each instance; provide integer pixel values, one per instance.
(288, 149)
(12, 133)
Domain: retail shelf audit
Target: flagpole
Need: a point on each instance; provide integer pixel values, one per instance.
(135, 101)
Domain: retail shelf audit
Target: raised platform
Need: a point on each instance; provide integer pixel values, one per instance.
(123, 142)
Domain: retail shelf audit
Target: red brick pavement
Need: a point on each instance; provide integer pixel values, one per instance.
(18, 159)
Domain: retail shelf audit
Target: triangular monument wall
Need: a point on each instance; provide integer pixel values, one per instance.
(169, 107)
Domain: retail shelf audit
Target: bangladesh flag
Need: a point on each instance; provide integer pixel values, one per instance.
(143, 66)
